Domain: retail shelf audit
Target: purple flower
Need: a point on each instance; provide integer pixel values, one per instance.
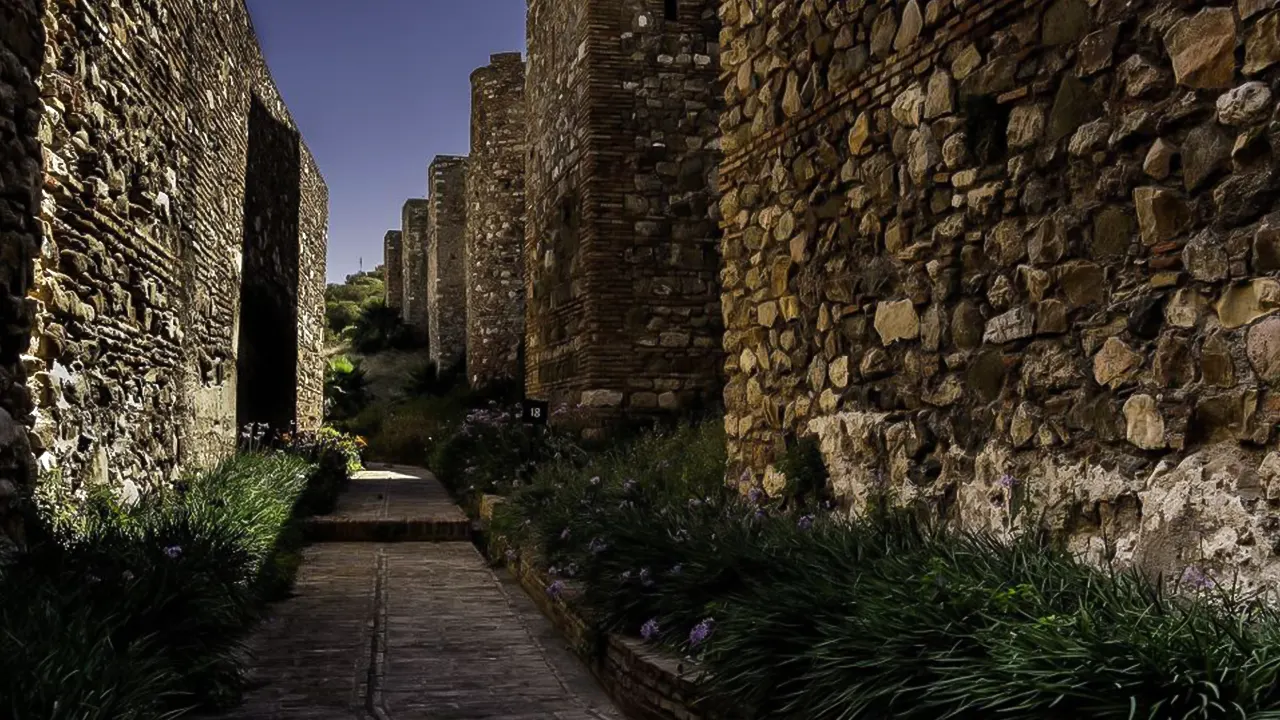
(597, 546)
(646, 579)
(677, 569)
(759, 514)
(701, 632)
(511, 555)
(1008, 481)
(595, 480)
(564, 534)
(126, 575)
(629, 485)
(173, 551)
(694, 502)
(649, 630)
(555, 589)
(625, 576)
(754, 495)
(1196, 579)
(805, 522)
(553, 570)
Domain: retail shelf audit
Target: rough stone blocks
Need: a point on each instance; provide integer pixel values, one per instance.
(495, 221)
(415, 231)
(446, 247)
(393, 268)
(1014, 260)
(621, 256)
(179, 291)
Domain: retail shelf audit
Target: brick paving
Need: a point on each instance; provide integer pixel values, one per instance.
(411, 630)
(392, 503)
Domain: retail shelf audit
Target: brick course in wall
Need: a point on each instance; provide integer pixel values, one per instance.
(1016, 261)
(172, 172)
(21, 45)
(393, 266)
(495, 221)
(446, 247)
(621, 238)
(415, 234)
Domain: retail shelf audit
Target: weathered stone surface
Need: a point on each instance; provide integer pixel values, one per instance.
(909, 27)
(896, 321)
(163, 228)
(1262, 46)
(1264, 349)
(1159, 161)
(1144, 425)
(622, 215)
(1088, 259)
(415, 234)
(393, 266)
(1243, 303)
(1202, 48)
(1206, 151)
(1116, 364)
(494, 270)
(446, 271)
(1205, 257)
(1162, 214)
(1016, 324)
(1244, 105)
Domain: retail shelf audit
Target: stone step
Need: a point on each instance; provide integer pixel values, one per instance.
(386, 530)
(392, 503)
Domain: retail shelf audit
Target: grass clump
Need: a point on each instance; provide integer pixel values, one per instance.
(139, 611)
(798, 613)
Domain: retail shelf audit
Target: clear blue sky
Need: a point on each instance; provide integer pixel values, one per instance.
(378, 88)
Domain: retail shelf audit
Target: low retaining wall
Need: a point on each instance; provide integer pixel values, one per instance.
(645, 683)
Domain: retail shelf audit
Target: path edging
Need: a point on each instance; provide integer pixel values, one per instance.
(646, 683)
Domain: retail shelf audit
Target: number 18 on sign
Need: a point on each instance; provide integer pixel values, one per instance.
(535, 411)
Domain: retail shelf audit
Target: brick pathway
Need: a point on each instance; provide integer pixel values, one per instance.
(411, 630)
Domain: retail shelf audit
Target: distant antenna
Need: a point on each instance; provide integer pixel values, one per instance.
(361, 264)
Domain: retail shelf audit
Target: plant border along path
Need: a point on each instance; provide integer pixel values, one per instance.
(419, 628)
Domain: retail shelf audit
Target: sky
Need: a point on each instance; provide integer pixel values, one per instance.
(378, 88)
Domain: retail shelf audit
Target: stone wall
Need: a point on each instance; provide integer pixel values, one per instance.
(495, 221)
(415, 231)
(446, 246)
(393, 266)
(21, 47)
(172, 171)
(1013, 259)
(621, 237)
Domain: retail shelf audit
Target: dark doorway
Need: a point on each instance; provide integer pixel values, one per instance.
(672, 9)
(267, 364)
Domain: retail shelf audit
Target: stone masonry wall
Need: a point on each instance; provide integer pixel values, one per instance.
(1016, 260)
(621, 242)
(172, 172)
(446, 248)
(495, 221)
(393, 266)
(21, 47)
(415, 232)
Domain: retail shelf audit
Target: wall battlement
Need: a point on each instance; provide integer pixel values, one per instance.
(621, 257)
(446, 246)
(495, 221)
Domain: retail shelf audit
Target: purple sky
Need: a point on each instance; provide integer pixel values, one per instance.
(378, 88)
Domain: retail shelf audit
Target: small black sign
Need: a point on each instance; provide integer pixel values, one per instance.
(535, 411)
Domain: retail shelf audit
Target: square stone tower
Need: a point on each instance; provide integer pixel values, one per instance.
(622, 229)
(393, 267)
(414, 224)
(446, 286)
(495, 221)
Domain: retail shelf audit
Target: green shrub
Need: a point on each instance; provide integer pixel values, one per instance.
(140, 612)
(379, 328)
(800, 615)
(491, 450)
(345, 388)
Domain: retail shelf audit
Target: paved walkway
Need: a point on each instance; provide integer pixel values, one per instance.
(411, 630)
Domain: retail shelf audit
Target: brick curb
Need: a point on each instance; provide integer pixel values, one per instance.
(648, 684)
(386, 530)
